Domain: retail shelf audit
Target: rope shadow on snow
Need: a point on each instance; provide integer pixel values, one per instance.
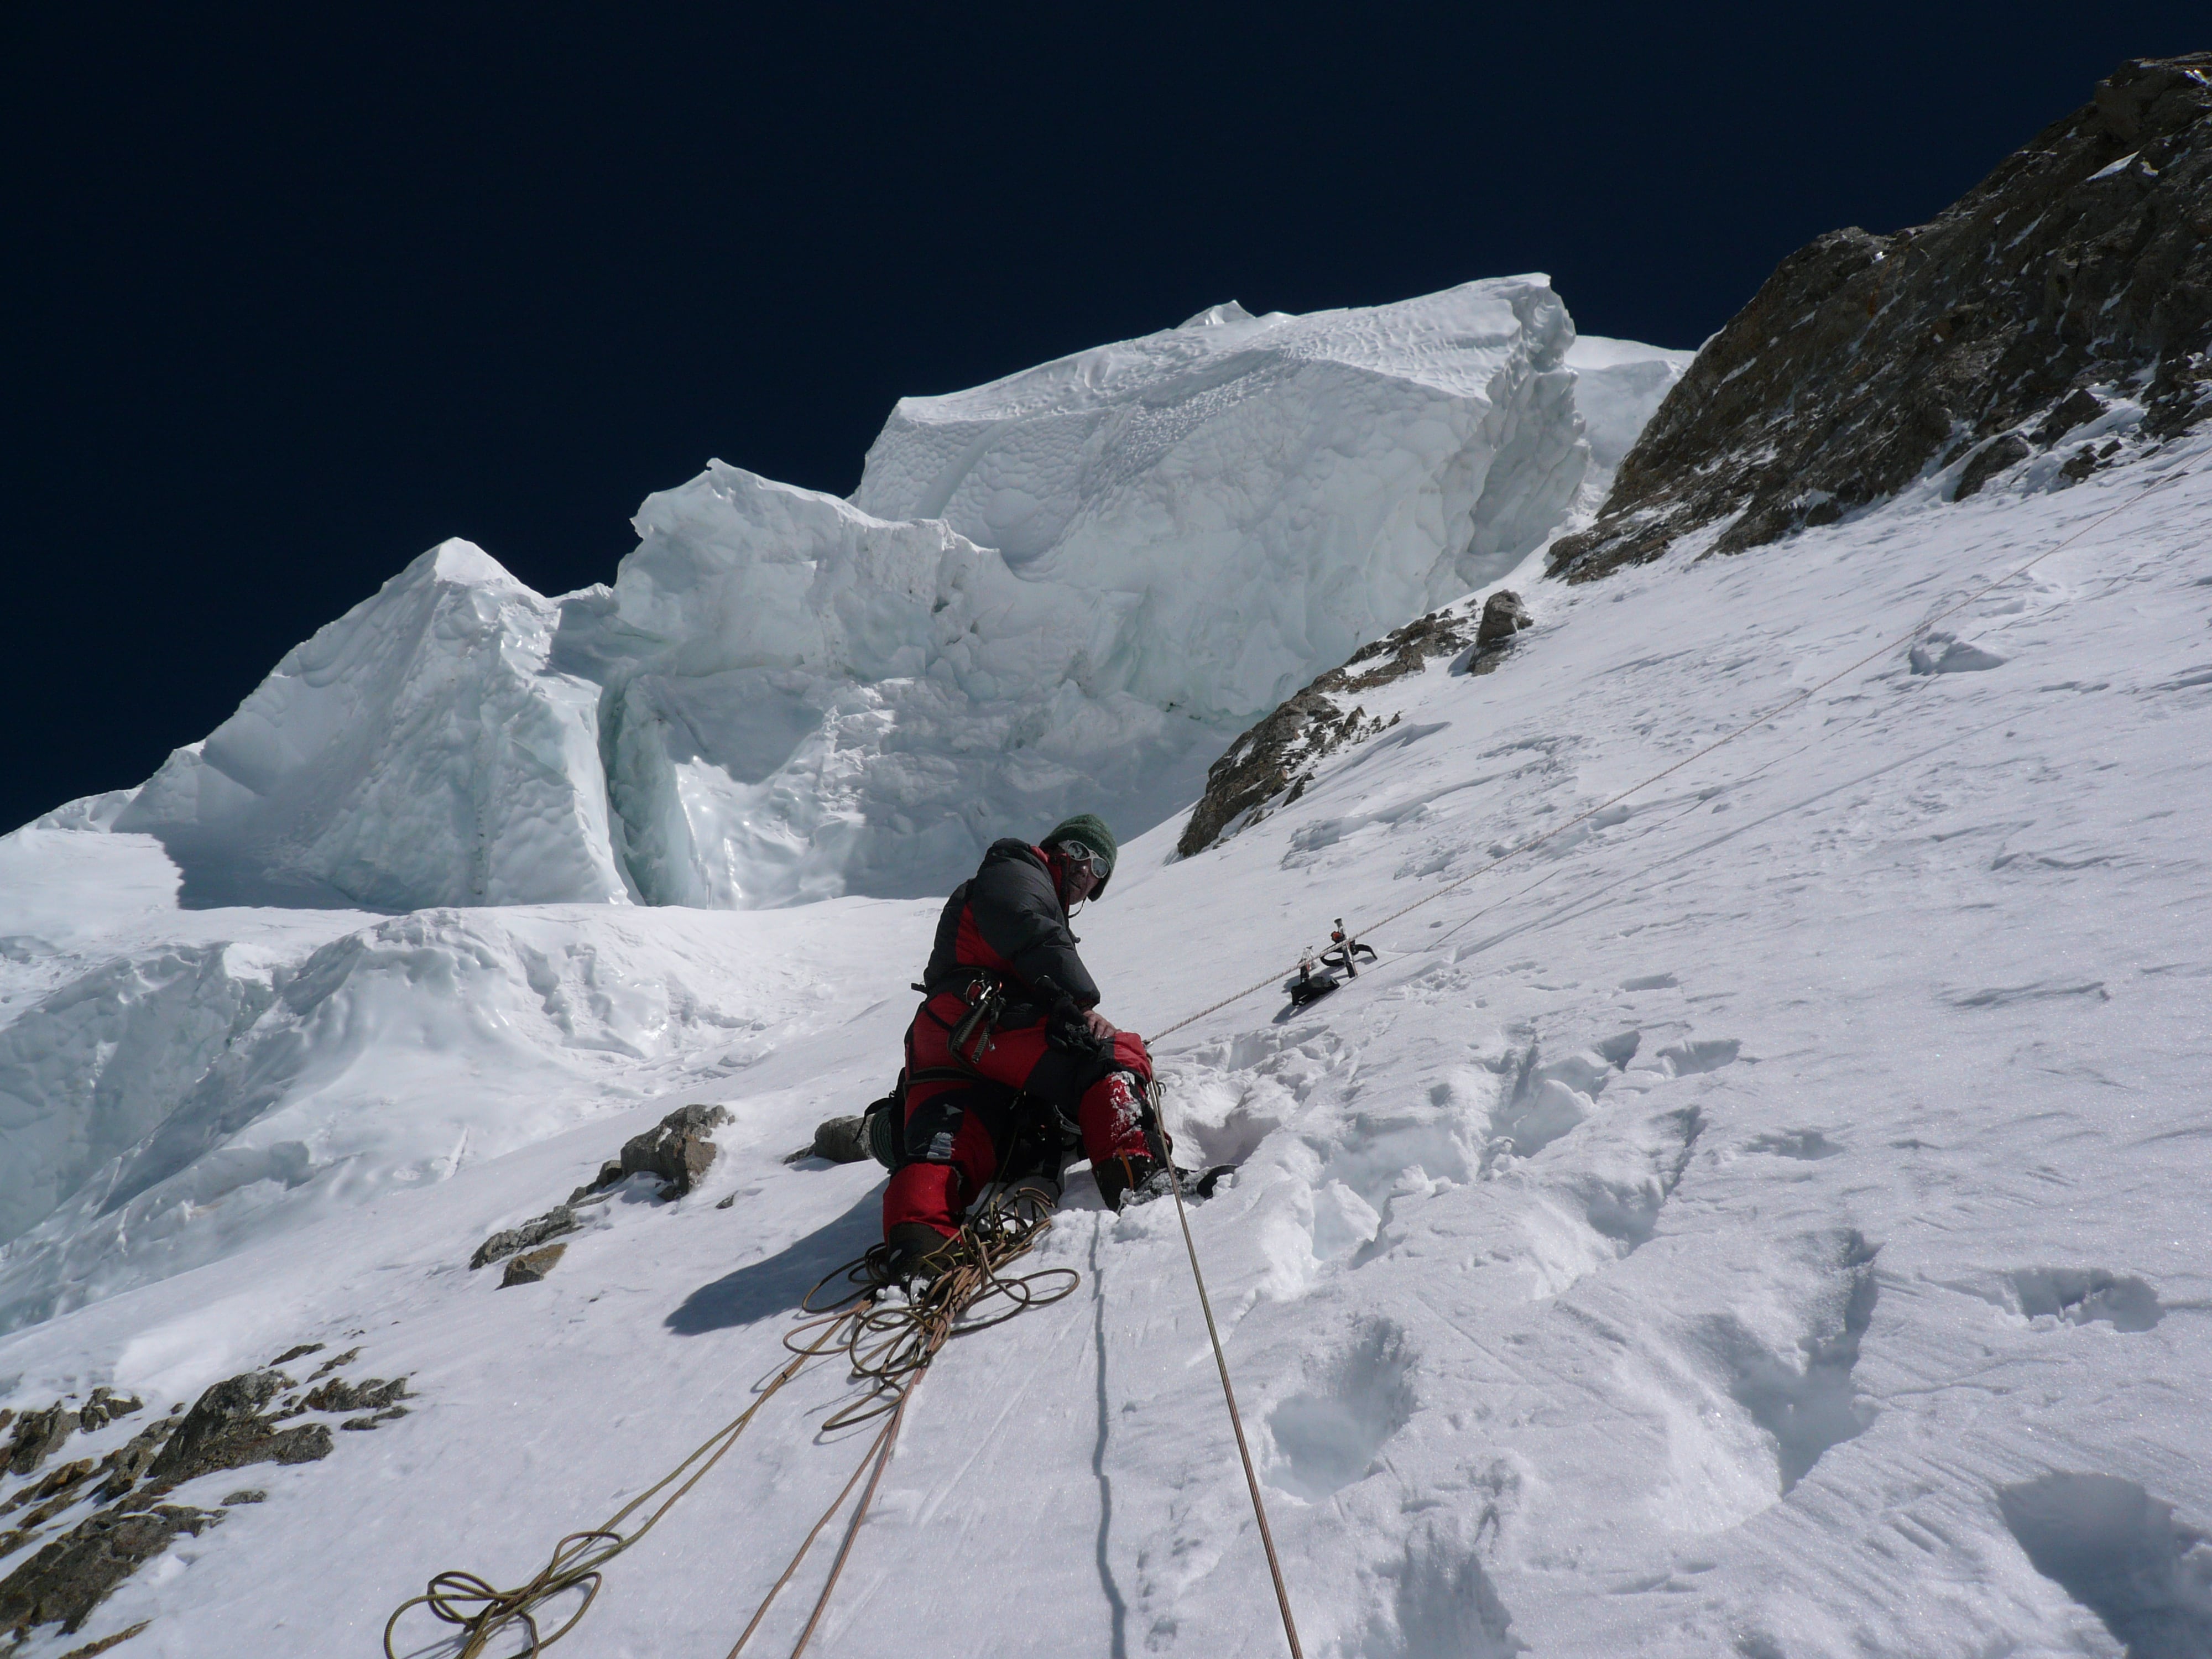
(775, 1284)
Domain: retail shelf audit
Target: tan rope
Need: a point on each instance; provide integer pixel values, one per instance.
(1752, 724)
(887, 1346)
(1228, 1390)
(891, 1345)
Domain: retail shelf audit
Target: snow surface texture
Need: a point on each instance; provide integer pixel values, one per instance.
(1071, 585)
(1766, 1221)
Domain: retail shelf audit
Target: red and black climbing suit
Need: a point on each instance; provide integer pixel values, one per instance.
(1007, 989)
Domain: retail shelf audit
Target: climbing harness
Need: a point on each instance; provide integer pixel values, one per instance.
(887, 1345)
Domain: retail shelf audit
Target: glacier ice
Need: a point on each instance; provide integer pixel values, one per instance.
(1618, 385)
(416, 751)
(1065, 589)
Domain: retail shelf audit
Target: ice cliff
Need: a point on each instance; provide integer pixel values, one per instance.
(1068, 588)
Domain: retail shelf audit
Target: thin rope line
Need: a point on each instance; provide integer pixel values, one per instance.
(1752, 724)
(859, 1513)
(1228, 1390)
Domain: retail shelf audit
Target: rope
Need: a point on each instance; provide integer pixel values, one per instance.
(890, 1345)
(1751, 725)
(887, 1345)
(1229, 1392)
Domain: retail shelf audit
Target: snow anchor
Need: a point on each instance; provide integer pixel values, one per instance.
(1316, 978)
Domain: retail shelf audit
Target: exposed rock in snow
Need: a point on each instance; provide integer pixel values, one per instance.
(2069, 292)
(556, 1221)
(224, 1430)
(533, 1265)
(37, 1434)
(63, 1583)
(1271, 762)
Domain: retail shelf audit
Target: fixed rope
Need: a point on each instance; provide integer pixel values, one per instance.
(887, 1345)
(1229, 1392)
(1751, 725)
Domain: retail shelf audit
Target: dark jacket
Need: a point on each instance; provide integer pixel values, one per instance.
(1008, 918)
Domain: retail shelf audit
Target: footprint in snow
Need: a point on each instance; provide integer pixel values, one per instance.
(2076, 1296)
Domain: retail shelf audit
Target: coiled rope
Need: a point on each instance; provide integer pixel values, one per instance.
(1721, 742)
(887, 1345)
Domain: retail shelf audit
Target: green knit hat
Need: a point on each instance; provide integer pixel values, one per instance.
(1090, 829)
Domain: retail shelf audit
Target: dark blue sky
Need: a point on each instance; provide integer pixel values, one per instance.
(295, 293)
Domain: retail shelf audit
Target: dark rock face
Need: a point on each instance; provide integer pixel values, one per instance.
(225, 1431)
(2080, 270)
(1503, 616)
(104, 1407)
(369, 1395)
(37, 1433)
(128, 1461)
(65, 1580)
(1271, 764)
(556, 1221)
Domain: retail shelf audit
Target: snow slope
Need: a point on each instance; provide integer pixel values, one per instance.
(1767, 1219)
(1080, 581)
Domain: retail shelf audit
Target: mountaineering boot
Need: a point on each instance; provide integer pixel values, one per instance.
(1124, 1182)
(918, 1252)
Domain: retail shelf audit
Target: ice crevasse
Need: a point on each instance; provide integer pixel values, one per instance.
(1066, 589)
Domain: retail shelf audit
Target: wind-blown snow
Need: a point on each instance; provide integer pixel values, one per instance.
(1766, 1220)
(1074, 585)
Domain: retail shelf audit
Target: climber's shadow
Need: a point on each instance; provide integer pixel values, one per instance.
(776, 1284)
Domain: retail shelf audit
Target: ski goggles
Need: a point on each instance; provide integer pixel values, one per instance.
(1081, 857)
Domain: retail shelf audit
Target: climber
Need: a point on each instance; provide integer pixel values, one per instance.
(1011, 1013)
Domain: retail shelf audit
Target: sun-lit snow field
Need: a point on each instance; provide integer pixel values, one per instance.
(1730, 1229)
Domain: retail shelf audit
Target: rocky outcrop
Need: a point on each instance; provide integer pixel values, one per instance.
(678, 1151)
(227, 1427)
(556, 1221)
(105, 1407)
(224, 1430)
(533, 1265)
(37, 1433)
(1272, 763)
(2067, 297)
(65, 1580)
(371, 1393)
